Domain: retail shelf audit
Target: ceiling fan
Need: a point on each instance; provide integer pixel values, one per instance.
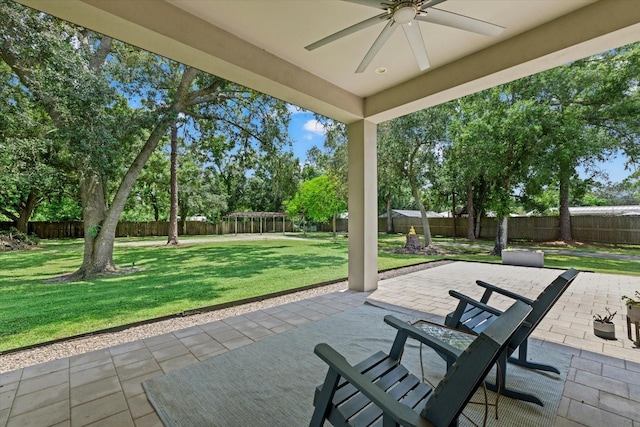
(406, 13)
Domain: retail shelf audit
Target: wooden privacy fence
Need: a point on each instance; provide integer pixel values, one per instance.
(605, 229)
(75, 230)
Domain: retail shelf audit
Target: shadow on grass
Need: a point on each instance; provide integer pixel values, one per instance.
(173, 280)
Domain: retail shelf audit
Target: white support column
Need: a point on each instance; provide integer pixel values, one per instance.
(363, 206)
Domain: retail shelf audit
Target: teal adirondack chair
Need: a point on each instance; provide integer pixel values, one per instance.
(380, 391)
(475, 316)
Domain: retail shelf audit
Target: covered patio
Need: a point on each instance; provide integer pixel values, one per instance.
(260, 44)
(103, 387)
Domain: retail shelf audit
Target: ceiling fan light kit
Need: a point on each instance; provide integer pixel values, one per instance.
(404, 13)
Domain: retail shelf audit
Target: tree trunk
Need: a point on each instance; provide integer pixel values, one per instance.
(565, 218)
(423, 216)
(501, 236)
(389, 218)
(470, 212)
(172, 238)
(98, 236)
(477, 230)
(26, 211)
(154, 203)
(334, 224)
(453, 214)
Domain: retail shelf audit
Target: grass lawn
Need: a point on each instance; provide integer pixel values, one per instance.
(182, 278)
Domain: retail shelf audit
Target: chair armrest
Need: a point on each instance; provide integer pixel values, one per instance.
(478, 304)
(402, 414)
(424, 338)
(492, 288)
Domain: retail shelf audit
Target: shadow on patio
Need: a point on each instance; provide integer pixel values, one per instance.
(104, 387)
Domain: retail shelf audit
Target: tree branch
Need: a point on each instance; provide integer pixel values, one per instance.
(203, 92)
(222, 119)
(101, 54)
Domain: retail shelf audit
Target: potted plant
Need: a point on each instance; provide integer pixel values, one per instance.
(603, 326)
(633, 307)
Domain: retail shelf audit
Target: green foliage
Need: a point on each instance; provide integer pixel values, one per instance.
(635, 300)
(608, 318)
(317, 200)
(58, 208)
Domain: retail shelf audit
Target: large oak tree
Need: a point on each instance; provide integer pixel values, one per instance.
(111, 105)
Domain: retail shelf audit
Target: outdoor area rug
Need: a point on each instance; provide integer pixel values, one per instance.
(271, 382)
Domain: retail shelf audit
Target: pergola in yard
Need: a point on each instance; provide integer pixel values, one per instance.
(260, 215)
(260, 44)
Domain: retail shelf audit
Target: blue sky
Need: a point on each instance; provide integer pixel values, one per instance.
(306, 132)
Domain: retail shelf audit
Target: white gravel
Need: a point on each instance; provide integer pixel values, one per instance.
(18, 360)
(12, 361)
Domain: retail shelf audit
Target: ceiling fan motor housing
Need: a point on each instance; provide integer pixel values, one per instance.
(404, 12)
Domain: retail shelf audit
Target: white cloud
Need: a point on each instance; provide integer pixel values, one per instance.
(308, 136)
(314, 127)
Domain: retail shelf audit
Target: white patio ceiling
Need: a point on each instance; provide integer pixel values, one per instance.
(260, 44)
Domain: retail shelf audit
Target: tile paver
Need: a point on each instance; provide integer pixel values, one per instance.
(104, 387)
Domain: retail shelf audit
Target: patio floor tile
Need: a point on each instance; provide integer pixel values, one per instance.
(623, 407)
(94, 358)
(92, 374)
(121, 419)
(42, 382)
(132, 356)
(137, 369)
(588, 415)
(94, 390)
(178, 362)
(166, 353)
(32, 401)
(45, 415)
(99, 409)
(603, 383)
(103, 388)
(133, 387)
(581, 392)
(202, 350)
(237, 343)
(149, 420)
(45, 368)
(139, 406)
(125, 348)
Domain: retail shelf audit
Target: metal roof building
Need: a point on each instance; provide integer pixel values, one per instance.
(628, 210)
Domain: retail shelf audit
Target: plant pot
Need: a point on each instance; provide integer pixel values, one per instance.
(604, 330)
(633, 312)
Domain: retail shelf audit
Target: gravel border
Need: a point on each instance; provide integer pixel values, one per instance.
(22, 359)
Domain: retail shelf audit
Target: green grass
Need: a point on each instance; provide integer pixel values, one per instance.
(173, 280)
(182, 278)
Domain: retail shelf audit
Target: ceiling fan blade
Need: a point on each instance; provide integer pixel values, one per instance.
(377, 45)
(431, 3)
(414, 36)
(373, 3)
(349, 30)
(450, 19)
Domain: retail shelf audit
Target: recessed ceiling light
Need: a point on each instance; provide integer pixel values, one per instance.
(381, 70)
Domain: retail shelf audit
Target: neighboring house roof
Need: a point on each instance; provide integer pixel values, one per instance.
(404, 213)
(605, 210)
